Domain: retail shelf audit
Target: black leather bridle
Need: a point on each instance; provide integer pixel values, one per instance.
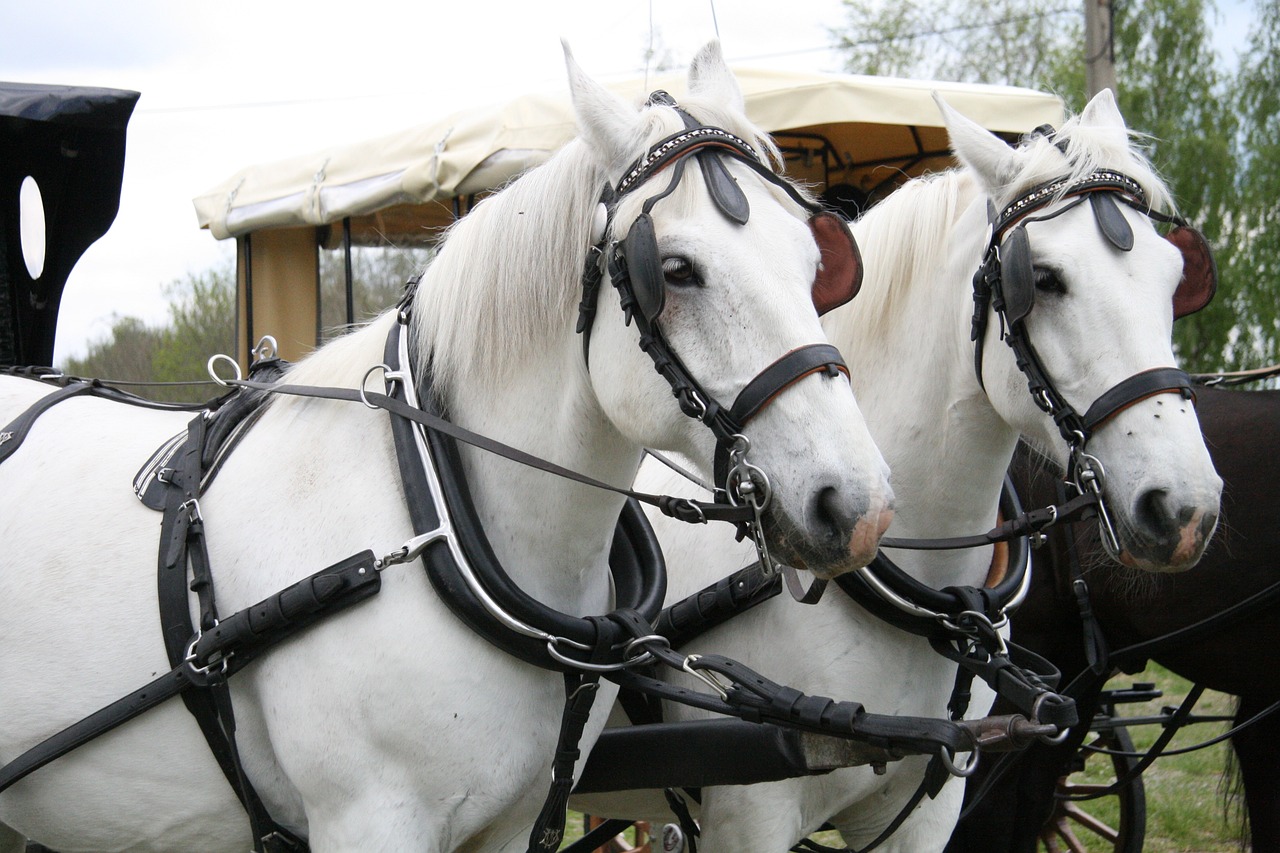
(634, 266)
(1004, 284)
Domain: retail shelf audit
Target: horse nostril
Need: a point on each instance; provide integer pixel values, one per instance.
(1155, 512)
(832, 516)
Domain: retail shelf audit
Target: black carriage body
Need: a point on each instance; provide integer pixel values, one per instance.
(70, 140)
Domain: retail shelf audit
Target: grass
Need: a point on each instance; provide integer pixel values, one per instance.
(1184, 793)
(1185, 807)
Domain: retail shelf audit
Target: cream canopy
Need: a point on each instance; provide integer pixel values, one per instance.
(868, 132)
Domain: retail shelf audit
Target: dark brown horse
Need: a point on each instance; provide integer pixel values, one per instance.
(1240, 429)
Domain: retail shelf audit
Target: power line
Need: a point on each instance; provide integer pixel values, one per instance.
(1013, 19)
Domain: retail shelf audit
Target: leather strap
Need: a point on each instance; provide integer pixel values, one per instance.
(1159, 380)
(12, 436)
(782, 374)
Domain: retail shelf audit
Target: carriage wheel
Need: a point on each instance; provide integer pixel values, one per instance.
(1074, 828)
(619, 843)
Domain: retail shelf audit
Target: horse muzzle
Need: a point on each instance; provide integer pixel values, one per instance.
(1162, 535)
(838, 534)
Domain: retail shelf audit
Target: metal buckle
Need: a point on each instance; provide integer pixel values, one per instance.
(207, 671)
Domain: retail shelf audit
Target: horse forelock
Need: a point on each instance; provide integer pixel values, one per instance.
(1088, 149)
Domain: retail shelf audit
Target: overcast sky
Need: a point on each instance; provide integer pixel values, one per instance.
(226, 85)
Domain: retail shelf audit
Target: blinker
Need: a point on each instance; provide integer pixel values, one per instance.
(1017, 279)
(644, 265)
(1199, 272)
(840, 269)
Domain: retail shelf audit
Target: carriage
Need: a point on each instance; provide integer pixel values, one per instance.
(349, 198)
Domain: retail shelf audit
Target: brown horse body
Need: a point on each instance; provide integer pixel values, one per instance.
(1237, 657)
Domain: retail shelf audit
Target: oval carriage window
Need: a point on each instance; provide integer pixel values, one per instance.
(31, 226)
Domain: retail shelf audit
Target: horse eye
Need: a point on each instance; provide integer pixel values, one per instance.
(679, 271)
(1047, 281)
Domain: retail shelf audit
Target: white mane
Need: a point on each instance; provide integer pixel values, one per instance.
(1089, 148)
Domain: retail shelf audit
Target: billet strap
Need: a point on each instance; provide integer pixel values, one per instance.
(580, 694)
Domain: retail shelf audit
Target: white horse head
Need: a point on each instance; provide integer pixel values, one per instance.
(736, 296)
(1097, 308)
(949, 438)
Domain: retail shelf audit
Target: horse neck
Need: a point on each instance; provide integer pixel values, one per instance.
(551, 534)
(498, 329)
(907, 338)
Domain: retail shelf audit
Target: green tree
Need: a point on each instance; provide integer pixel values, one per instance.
(1173, 88)
(1250, 272)
(201, 323)
(1016, 42)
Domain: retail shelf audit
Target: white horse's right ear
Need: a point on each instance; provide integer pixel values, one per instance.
(605, 120)
(982, 151)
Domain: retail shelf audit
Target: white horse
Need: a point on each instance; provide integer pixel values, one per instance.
(1100, 315)
(392, 726)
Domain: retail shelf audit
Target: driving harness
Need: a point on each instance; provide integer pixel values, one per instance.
(450, 540)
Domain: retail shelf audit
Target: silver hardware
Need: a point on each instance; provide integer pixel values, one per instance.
(630, 658)
(5, 436)
(389, 377)
(207, 670)
(266, 348)
(412, 548)
(553, 642)
(749, 484)
(949, 762)
(1050, 740)
(708, 678)
(192, 506)
(976, 616)
(213, 374)
(1092, 477)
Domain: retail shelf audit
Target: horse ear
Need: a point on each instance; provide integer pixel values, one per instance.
(982, 151)
(710, 78)
(1103, 114)
(606, 121)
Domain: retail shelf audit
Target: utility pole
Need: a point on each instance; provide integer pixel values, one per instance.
(1099, 47)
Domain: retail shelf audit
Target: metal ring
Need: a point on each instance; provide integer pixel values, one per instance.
(949, 762)
(1050, 740)
(627, 651)
(1055, 739)
(577, 664)
(213, 359)
(363, 399)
